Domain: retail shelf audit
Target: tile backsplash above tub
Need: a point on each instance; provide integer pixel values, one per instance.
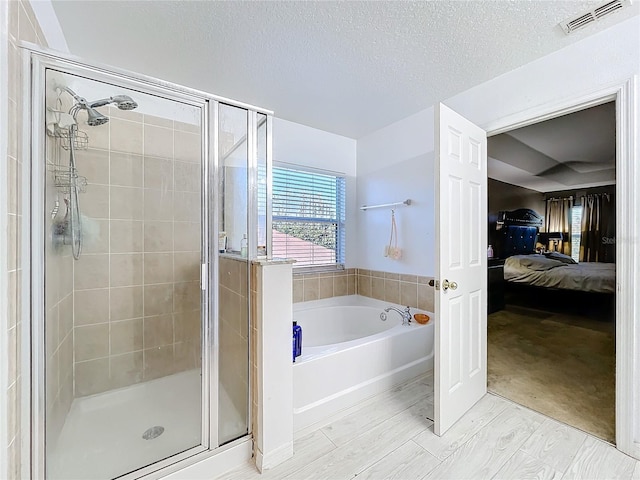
(411, 290)
(315, 286)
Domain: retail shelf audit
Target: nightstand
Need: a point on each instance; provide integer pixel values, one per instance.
(495, 285)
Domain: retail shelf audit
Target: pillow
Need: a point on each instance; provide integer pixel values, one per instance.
(561, 257)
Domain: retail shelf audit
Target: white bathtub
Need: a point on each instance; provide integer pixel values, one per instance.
(349, 354)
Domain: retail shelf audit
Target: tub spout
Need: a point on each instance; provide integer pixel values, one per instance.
(406, 314)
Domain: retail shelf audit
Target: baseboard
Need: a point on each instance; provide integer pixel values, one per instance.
(274, 458)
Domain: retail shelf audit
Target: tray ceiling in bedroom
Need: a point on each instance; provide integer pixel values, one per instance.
(569, 152)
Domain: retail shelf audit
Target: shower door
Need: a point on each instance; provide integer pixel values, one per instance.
(121, 311)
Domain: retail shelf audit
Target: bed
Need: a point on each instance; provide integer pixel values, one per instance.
(550, 275)
(543, 271)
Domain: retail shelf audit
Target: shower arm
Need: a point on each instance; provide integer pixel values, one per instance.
(75, 96)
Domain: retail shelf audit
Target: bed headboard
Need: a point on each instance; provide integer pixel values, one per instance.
(519, 231)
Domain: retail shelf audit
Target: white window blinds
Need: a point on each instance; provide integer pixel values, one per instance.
(308, 217)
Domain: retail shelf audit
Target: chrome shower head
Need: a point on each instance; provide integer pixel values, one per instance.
(123, 102)
(95, 118)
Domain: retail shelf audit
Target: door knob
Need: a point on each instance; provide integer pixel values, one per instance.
(446, 285)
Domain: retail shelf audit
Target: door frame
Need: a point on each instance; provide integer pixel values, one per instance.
(627, 341)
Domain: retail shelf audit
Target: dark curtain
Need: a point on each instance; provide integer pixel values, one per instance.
(598, 232)
(558, 219)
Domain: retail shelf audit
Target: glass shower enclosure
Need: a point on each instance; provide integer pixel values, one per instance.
(144, 223)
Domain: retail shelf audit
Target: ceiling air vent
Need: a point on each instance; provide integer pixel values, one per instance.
(593, 15)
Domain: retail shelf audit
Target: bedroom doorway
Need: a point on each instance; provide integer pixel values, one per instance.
(551, 272)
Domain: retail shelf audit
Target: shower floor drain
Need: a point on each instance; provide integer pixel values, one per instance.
(153, 432)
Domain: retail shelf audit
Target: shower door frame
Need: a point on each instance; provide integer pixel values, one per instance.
(33, 359)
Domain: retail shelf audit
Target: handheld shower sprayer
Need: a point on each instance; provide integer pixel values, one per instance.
(123, 102)
(94, 117)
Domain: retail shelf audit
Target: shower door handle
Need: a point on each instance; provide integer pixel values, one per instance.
(203, 276)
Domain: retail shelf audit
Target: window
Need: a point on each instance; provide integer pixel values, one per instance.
(308, 217)
(576, 226)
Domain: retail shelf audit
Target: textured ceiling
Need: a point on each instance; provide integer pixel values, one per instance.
(344, 67)
(568, 152)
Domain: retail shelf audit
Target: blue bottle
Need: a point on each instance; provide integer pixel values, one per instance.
(297, 340)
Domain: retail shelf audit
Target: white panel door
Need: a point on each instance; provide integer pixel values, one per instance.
(461, 267)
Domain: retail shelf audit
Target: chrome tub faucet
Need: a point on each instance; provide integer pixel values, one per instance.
(406, 314)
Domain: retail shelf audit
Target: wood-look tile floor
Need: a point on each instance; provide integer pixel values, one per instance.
(390, 436)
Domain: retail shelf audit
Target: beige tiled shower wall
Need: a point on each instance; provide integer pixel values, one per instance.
(22, 26)
(137, 284)
(411, 290)
(234, 331)
(316, 286)
(58, 313)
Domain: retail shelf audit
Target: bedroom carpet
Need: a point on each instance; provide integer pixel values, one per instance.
(557, 364)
